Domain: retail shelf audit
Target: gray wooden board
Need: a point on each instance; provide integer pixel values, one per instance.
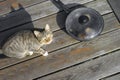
(113, 77)
(115, 5)
(63, 58)
(61, 39)
(40, 6)
(91, 70)
(2, 0)
(5, 5)
(29, 14)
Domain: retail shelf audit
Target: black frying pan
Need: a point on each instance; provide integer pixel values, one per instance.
(82, 23)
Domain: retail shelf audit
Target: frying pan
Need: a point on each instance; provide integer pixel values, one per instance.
(82, 23)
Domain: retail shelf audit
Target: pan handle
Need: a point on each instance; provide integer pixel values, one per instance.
(62, 6)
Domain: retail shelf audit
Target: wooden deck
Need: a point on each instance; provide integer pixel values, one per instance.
(69, 59)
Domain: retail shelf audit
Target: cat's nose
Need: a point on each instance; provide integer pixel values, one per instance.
(47, 40)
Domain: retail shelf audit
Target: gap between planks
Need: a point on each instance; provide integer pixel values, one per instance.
(80, 64)
(91, 70)
(111, 77)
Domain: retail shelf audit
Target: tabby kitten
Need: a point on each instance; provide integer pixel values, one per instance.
(26, 43)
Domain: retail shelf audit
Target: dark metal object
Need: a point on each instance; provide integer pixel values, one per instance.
(82, 23)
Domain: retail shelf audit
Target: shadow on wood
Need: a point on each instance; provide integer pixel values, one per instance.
(62, 15)
(7, 22)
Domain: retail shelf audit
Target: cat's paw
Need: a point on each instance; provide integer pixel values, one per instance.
(45, 54)
(30, 53)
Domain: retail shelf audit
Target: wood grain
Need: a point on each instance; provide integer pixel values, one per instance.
(38, 11)
(5, 5)
(113, 77)
(40, 6)
(63, 58)
(61, 39)
(91, 70)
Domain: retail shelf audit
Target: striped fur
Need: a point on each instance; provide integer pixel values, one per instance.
(26, 43)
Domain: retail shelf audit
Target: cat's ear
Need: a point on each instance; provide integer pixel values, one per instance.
(36, 33)
(47, 27)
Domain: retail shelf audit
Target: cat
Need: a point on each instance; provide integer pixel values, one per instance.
(26, 42)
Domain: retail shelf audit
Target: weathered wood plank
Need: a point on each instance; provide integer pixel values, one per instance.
(61, 39)
(113, 77)
(5, 5)
(41, 10)
(91, 70)
(100, 5)
(63, 58)
(40, 6)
